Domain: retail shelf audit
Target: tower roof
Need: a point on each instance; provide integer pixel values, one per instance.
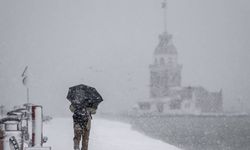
(165, 45)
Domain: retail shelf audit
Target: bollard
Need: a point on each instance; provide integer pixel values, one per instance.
(37, 126)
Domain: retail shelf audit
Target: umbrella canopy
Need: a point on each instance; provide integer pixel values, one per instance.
(84, 95)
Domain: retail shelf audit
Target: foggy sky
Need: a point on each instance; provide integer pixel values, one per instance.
(109, 45)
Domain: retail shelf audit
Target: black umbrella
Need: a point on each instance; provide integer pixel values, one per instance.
(84, 95)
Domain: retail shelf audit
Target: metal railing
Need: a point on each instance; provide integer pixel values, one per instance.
(22, 129)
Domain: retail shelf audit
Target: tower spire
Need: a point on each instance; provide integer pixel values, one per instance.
(164, 7)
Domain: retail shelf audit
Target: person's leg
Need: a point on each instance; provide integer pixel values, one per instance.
(85, 136)
(85, 139)
(77, 136)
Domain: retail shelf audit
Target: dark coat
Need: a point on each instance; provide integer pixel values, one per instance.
(81, 115)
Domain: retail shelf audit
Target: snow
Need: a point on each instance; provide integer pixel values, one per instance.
(104, 135)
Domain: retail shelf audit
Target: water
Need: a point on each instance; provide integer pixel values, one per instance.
(192, 132)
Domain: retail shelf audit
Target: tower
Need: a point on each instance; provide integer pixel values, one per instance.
(165, 72)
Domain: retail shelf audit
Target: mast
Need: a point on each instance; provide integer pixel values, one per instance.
(164, 7)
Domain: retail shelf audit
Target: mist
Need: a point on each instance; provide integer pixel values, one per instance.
(109, 45)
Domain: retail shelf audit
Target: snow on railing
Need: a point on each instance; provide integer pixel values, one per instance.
(22, 129)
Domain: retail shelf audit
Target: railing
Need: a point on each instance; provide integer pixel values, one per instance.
(22, 129)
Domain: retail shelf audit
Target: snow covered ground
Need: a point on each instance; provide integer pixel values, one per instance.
(105, 135)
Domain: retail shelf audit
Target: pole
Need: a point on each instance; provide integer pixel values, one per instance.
(28, 95)
(37, 126)
(25, 81)
(164, 6)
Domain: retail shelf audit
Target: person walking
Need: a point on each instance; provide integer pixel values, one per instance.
(84, 102)
(82, 124)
